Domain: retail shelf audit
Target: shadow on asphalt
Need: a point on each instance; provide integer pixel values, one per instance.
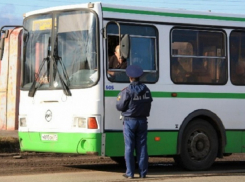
(218, 168)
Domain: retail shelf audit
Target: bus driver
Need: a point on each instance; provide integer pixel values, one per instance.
(116, 61)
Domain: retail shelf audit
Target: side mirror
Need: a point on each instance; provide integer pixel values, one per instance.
(25, 36)
(125, 46)
(2, 43)
(104, 33)
(1, 48)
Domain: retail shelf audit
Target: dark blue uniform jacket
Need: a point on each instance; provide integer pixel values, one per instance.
(135, 100)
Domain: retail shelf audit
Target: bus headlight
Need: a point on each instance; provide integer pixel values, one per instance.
(80, 122)
(22, 122)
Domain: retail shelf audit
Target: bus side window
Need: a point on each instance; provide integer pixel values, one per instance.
(237, 57)
(201, 54)
(143, 41)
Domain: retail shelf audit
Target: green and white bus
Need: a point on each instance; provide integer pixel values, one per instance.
(193, 62)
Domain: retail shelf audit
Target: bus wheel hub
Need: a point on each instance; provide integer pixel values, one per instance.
(199, 146)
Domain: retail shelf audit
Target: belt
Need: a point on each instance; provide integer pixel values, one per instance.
(135, 117)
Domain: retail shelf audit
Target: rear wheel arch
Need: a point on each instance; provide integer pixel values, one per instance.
(212, 119)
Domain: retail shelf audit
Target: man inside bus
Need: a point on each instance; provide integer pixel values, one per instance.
(116, 61)
(239, 75)
(178, 72)
(237, 69)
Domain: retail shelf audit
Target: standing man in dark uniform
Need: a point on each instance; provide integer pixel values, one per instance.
(135, 104)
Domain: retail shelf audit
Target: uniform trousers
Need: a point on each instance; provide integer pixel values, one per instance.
(135, 138)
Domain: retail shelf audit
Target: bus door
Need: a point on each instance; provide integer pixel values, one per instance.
(115, 78)
(137, 45)
(10, 78)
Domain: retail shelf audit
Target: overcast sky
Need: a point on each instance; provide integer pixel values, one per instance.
(12, 10)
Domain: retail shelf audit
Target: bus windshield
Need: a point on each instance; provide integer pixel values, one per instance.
(60, 48)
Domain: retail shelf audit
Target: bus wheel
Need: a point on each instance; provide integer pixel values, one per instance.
(199, 146)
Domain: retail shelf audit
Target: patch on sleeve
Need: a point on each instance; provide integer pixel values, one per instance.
(119, 97)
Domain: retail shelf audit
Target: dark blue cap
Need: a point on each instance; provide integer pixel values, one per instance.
(134, 71)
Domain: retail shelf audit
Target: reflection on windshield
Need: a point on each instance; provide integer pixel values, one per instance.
(38, 31)
(74, 50)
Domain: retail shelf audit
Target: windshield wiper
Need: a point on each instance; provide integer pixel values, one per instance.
(58, 60)
(36, 85)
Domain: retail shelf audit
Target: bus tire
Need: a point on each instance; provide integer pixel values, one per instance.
(199, 146)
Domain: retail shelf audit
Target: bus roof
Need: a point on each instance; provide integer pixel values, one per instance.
(125, 12)
(172, 16)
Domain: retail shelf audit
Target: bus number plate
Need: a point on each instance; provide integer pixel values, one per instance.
(49, 137)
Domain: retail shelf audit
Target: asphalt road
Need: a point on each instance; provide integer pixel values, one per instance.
(98, 176)
(111, 177)
(40, 167)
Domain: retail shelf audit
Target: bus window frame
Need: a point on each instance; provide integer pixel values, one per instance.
(224, 57)
(156, 44)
